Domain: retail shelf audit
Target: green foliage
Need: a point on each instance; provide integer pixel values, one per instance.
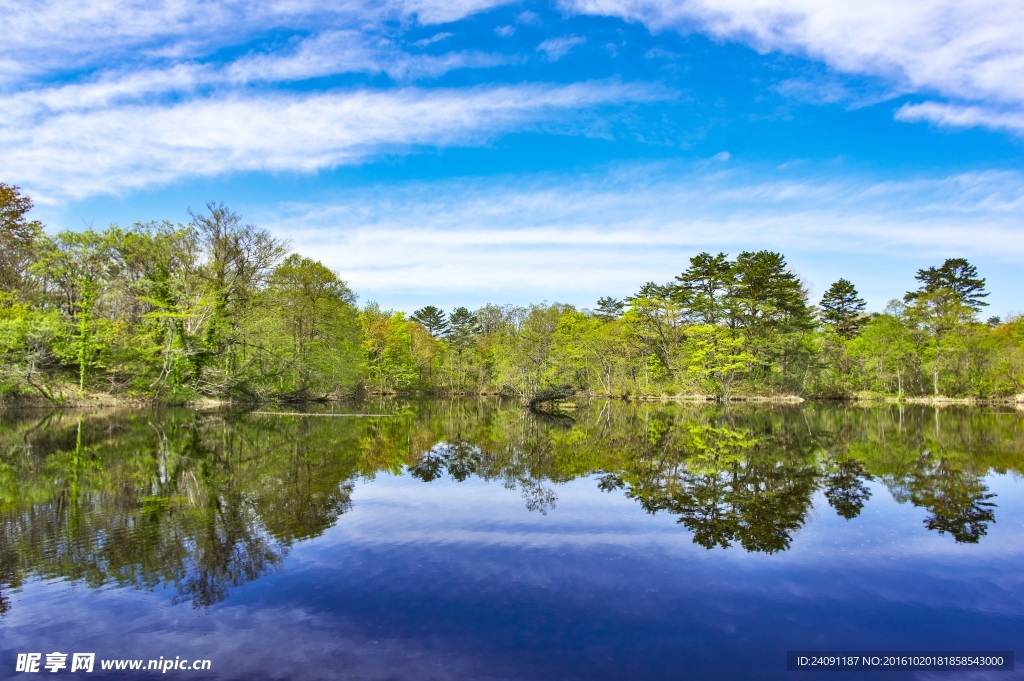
(709, 286)
(887, 350)
(433, 320)
(768, 297)
(315, 336)
(949, 297)
(26, 347)
(609, 309)
(955, 283)
(18, 239)
(387, 349)
(217, 308)
(717, 356)
(657, 318)
(843, 308)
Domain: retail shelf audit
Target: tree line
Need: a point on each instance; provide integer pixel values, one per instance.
(219, 308)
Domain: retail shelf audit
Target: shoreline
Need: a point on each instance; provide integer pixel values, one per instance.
(106, 400)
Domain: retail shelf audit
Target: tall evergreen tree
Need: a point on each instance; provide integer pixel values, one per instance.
(609, 309)
(949, 296)
(955, 283)
(463, 328)
(768, 296)
(843, 308)
(706, 286)
(432, 318)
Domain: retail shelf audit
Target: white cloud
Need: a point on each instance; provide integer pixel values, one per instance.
(108, 150)
(49, 35)
(966, 51)
(442, 11)
(325, 54)
(350, 51)
(437, 37)
(556, 48)
(961, 116)
(106, 89)
(575, 238)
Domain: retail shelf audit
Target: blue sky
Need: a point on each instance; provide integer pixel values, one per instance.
(473, 151)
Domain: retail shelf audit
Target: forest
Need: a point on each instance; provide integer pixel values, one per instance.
(218, 309)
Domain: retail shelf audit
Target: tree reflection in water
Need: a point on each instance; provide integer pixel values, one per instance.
(209, 501)
(845, 487)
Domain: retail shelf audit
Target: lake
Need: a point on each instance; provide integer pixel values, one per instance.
(472, 539)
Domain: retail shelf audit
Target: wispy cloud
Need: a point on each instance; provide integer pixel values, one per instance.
(556, 48)
(350, 51)
(325, 54)
(967, 52)
(963, 116)
(53, 34)
(578, 238)
(437, 37)
(108, 150)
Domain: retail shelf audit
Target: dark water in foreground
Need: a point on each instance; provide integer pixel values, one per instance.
(472, 540)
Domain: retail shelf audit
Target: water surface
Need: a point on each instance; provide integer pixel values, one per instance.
(475, 540)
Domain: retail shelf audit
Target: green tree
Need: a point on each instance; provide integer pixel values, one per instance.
(317, 311)
(27, 336)
(768, 296)
(717, 356)
(770, 304)
(238, 259)
(609, 309)
(18, 238)
(956, 279)
(707, 287)
(164, 298)
(433, 320)
(658, 319)
(887, 352)
(576, 349)
(843, 308)
(387, 347)
(524, 361)
(76, 266)
(949, 296)
(463, 328)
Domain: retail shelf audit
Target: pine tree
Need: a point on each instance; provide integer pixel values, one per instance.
(433, 320)
(768, 297)
(609, 309)
(949, 296)
(706, 285)
(956, 282)
(463, 328)
(843, 308)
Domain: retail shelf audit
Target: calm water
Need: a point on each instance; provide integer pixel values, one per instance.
(473, 540)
